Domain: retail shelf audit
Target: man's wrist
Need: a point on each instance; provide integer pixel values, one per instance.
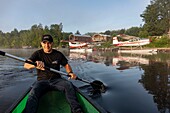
(70, 72)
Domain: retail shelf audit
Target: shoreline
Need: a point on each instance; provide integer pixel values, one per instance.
(158, 50)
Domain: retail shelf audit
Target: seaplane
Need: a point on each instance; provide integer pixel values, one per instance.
(134, 42)
(131, 42)
(74, 45)
(79, 47)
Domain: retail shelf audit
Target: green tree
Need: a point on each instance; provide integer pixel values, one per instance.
(56, 32)
(15, 39)
(133, 31)
(78, 32)
(7, 40)
(35, 35)
(157, 17)
(25, 36)
(66, 36)
(1, 39)
(122, 31)
(143, 34)
(46, 30)
(108, 32)
(117, 32)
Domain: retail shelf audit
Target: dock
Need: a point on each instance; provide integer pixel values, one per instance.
(140, 51)
(145, 51)
(108, 49)
(163, 50)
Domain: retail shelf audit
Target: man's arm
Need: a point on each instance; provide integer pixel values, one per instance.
(69, 71)
(40, 65)
(28, 66)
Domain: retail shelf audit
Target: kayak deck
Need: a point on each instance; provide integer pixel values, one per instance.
(55, 102)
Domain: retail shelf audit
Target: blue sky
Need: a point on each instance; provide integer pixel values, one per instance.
(83, 15)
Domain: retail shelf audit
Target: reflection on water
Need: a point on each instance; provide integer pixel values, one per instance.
(155, 79)
(14, 79)
(135, 83)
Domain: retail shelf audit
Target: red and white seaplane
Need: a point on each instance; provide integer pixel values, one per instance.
(131, 42)
(74, 45)
(79, 47)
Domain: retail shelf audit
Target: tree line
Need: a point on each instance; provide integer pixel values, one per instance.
(156, 18)
(32, 37)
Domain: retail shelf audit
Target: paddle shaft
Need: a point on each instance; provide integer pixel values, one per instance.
(47, 68)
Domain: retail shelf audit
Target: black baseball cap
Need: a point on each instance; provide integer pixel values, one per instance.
(48, 38)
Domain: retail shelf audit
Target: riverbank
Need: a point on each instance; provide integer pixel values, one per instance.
(147, 51)
(163, 50)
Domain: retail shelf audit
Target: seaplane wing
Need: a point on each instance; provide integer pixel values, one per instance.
(131, 42)
(74, 45)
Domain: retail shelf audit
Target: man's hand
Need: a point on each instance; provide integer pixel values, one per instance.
(73, 76)
(40, 65)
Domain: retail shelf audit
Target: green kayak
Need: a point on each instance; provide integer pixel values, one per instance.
(55, 102)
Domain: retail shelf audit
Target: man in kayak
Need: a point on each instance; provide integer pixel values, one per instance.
(47, 80)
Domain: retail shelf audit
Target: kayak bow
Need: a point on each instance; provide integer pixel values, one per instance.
(55, 102)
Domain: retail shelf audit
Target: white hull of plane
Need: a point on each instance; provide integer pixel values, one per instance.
(131, 42)
(81, 50)
(74, 45)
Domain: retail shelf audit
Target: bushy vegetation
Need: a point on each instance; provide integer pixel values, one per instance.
(107, 44)
(163, 41)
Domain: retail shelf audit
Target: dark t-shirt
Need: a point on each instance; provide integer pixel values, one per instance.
(52, 60)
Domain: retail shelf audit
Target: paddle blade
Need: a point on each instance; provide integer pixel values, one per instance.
(98, 85)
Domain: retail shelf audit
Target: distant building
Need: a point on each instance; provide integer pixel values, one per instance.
(101, 38)
(80, 38)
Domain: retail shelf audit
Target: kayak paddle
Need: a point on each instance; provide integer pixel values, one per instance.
(97, 85)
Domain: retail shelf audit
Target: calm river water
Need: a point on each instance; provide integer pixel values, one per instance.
(135, 83)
